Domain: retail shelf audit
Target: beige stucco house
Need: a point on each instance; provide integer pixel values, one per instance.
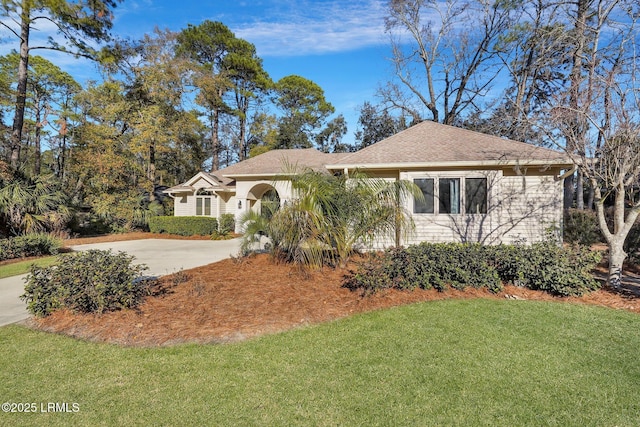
(477, 187)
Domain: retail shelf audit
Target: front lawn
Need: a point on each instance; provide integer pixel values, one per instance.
(22, 267)
(452, 362)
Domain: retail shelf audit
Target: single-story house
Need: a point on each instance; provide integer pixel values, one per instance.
(477, 187)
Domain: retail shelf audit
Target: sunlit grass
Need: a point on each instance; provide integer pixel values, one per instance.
(455, 362)
(23, 267)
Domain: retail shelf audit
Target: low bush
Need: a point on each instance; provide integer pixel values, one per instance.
(632, 243)
(563, 271)
(227, 224)
(35, 244)
(426, 265)
(581, 227)
(184, 225)
(94, 281)
(541, 266)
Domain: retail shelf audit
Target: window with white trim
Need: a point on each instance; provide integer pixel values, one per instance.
(452, 195)
(475, 194)
(203, 202)
(426, 205)
(449, 195)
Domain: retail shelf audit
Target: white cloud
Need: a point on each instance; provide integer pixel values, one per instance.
(317, 28)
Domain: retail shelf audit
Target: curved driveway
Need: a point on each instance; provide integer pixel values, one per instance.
(162, 256)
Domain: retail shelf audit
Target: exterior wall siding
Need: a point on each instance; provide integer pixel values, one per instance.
(184, 204)
(522, 206)
(519, 208)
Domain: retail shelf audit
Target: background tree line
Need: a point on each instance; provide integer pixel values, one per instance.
(557, 74)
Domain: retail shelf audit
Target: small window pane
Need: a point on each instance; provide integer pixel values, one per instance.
(426, 205)
(449, 195)
(207, 206)
(198, 205)
(475, 195)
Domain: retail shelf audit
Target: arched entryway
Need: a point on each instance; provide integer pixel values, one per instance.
(264, 198)
(269, 203)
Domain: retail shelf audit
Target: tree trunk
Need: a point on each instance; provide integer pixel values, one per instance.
(151, 174)
(569, 192)
(62, 159)
(617, 255)
(590, 198)
(580, 191)
(242, 149)
(21, 95)
(36, 142)
(621, 226)
(215, 143)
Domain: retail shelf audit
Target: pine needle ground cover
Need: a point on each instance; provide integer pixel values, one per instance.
(451, 362)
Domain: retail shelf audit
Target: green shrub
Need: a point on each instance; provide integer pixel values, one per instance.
(426, 265)
(28, 245)
(581, 227)
(632, 243)
(227, 224)
(563, 271)
(541, 266)
(88, 224)
(94, 281)
(370, 276)
(184, 225)
(457, 264)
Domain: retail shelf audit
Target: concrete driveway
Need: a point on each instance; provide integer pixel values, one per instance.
(162, 256)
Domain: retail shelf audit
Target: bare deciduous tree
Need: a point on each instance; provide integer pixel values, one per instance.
(448, 63)
(599, 119)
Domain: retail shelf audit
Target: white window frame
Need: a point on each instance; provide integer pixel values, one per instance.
(436, 190)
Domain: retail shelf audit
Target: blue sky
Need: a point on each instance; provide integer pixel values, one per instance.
(340, 45)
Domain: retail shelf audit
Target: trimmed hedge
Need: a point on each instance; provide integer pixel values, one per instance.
(426, 266)
(184, 225)
(35, 244)
(94, 281)
(543, 266)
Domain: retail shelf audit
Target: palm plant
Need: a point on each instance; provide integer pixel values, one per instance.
(32, 204)
(331, 217)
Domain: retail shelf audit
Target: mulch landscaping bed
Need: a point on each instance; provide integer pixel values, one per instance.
(236, 299)
(129, 236)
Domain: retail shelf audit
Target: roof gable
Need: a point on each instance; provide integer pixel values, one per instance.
(434, 143)
(211, 180)
(276, 162)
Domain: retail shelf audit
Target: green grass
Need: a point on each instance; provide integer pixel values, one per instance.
(447, 363)
(23, 267)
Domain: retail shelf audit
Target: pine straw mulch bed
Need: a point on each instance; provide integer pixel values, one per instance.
(135, 235)
(236, 299)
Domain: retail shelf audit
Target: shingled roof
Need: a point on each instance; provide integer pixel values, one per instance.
(430, 143)
(275, 162)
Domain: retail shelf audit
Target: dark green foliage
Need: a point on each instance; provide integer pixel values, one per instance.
(563, 271)
(35, 244)
(427, 265)
(184, 225)
(90, 282)
(227, 224)
(632, 243)
(88, 224)
(581, 227)
(541, 266)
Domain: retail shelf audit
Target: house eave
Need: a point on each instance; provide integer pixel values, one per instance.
(252, 176)
(178, 190)
(453, 164)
